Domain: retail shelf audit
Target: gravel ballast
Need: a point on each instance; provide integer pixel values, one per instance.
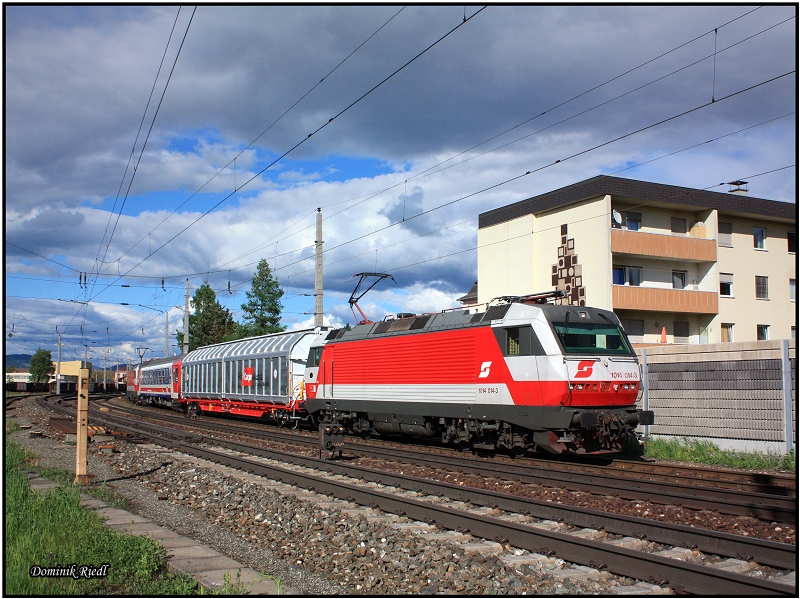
(313, 549)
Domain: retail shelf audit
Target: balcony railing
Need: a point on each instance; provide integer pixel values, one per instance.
(654, 245)
(655, 299)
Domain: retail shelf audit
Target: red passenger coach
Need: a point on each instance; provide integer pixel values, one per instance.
(158, 382)
(520, 376)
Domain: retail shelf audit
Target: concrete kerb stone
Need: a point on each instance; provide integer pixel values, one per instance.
(200, 565)
(245, 579)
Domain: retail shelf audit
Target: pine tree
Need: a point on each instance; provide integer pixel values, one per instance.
(210, 323)
(261, 315)
(41, 366)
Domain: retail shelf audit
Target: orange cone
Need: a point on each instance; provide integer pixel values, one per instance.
(663, 334)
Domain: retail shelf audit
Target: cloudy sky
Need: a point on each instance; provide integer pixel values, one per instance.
(230, 174)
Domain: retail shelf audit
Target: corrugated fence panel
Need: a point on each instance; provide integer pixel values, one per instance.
(701, 394)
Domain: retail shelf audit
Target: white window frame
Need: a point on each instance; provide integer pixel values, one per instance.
(762, 245)
(729, 326)
(766, 287)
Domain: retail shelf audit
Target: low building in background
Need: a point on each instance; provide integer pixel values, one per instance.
(677, 265)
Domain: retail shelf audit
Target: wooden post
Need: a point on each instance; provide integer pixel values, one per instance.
(82, 429)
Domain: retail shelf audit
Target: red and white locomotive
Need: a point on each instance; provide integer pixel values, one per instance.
(523, 375)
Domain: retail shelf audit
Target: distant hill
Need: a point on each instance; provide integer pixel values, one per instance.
(18, 360)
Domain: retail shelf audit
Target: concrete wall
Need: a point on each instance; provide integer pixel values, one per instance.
(733, 394)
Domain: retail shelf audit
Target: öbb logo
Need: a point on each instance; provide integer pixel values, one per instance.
(247, 377)
(584, 369)
(485, 367)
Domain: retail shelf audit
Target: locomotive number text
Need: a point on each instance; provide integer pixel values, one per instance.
(627, 375)
(488, 390)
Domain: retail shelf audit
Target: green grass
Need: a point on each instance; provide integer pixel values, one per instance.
(706, 452)
(52, 529)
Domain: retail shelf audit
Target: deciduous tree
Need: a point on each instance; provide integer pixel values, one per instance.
(41, 366)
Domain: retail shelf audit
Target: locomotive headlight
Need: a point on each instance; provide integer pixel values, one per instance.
(327, 430)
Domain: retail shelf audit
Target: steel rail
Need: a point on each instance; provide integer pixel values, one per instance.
(728, 501)
(685, 577)
(768, 553)
(682, 576)
(771, 484)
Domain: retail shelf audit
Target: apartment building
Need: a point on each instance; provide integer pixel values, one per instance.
(675, 264)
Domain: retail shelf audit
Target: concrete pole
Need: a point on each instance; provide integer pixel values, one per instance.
(105, 354)
(318, 310)
(186, 321)
(787, 395)
(82, 428)
(58, 368)
(166, 336)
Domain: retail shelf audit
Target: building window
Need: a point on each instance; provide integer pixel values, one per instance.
(726, 284)
(792, 290)
(634, 329)
(678, 279)
(680, 329)
(759, 238)
(791, 237)
(762, 332)
(633, 221)
(794, 332)
(762, 287)
(726, 332)
(726, 235)
(679, 226)
(628, 275)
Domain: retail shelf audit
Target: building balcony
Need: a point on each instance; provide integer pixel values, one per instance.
(655, 299)
(666, 247)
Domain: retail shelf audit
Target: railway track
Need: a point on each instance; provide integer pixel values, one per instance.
(421, 501)
(665, 490)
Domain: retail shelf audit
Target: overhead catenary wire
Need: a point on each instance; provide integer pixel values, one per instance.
(458, 252)
(150, 130)
(133, 149)
(552, 164)
(283, 254)
(302, 141)
(290, 252)
(260, 135)
(430, 170)
(561, 104)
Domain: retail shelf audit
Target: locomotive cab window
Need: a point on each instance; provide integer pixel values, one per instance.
(579, 338)
(314, 357)
(518, 341)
